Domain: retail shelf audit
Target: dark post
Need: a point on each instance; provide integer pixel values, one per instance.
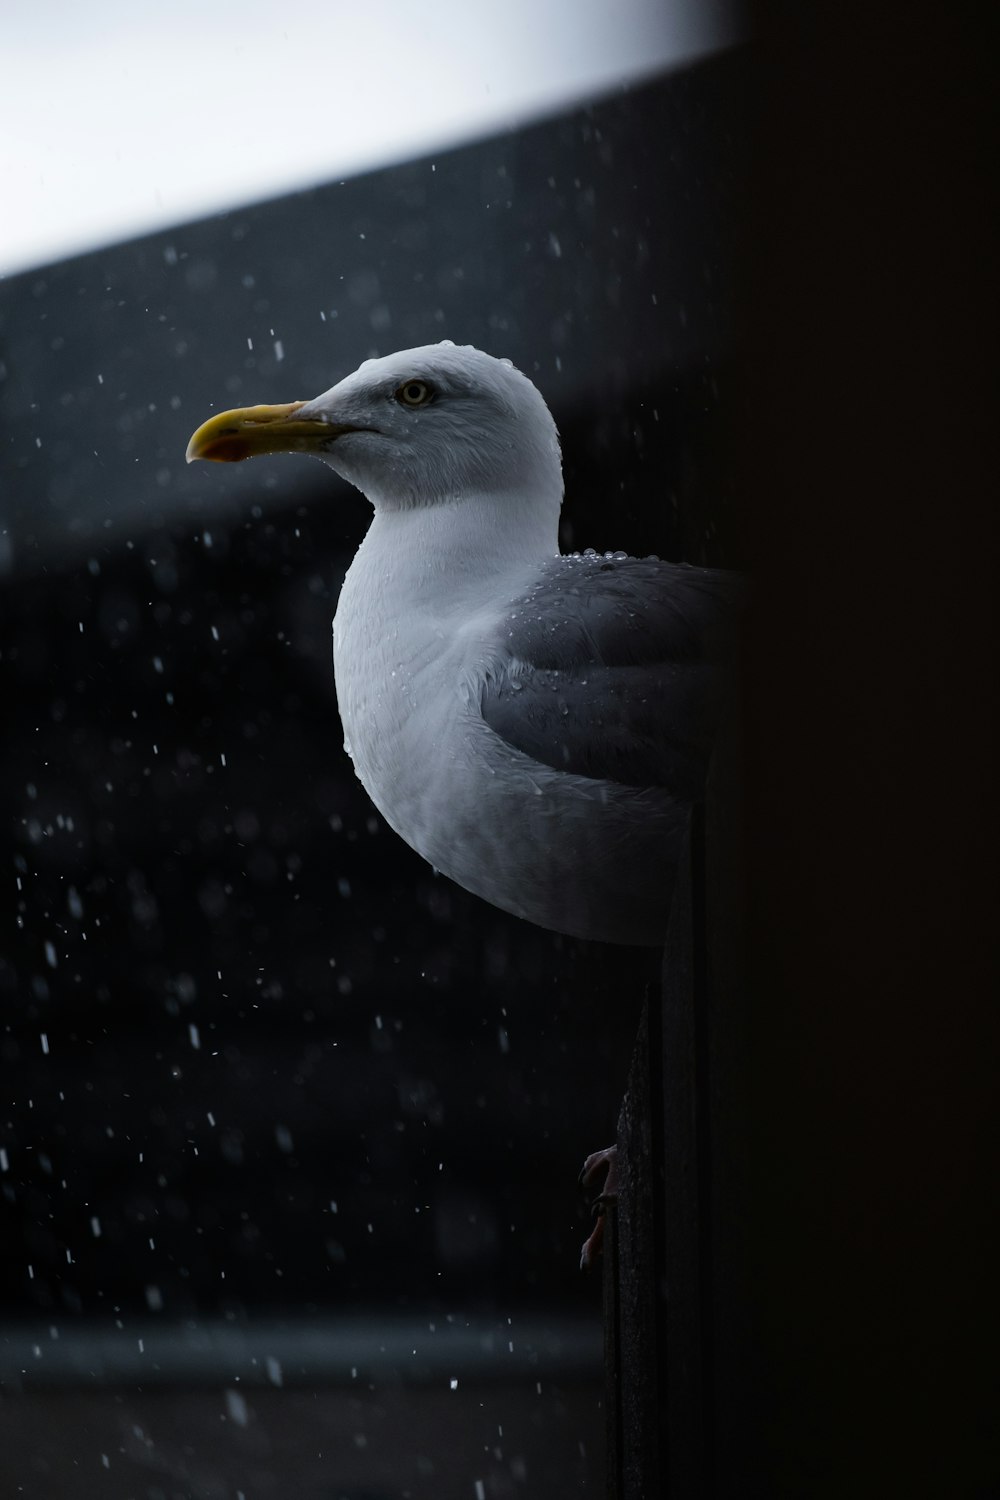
(815, 1176)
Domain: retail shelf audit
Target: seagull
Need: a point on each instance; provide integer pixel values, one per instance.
(537, 725)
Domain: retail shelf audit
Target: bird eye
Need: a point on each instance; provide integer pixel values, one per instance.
(414, 393)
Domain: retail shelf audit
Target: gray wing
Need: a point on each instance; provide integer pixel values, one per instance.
(616, 669)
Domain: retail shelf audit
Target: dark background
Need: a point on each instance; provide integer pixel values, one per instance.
(189, 845)
(259, 1060)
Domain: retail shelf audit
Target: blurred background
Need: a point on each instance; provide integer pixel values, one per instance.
(290, 1125)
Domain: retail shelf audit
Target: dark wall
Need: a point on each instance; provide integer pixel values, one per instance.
(869, 454)
(232, 997)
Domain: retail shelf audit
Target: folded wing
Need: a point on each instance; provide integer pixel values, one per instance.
(616, 669)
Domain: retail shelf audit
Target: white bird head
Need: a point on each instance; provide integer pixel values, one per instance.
(423, 427)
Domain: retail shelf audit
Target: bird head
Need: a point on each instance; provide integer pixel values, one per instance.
(414, 429)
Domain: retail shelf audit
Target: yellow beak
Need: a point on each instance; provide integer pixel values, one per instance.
(249, 430)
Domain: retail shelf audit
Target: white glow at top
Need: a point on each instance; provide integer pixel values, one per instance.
(117, 119)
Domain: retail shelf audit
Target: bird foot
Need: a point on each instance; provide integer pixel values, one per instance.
(599, 1162)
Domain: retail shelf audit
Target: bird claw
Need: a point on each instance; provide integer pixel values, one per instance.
(605, 1161)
